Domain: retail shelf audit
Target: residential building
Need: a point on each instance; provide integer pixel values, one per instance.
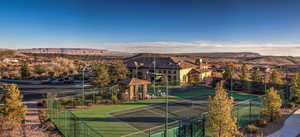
(174, 68)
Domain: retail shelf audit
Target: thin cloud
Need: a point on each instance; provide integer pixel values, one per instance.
(189, 47)
(202, 46)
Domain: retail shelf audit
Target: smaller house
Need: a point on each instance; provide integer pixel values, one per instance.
(10, 60)
(137, 89)
(197, 75)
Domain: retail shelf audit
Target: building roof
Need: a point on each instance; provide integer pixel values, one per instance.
(197, 71)
(134, 81)
(163, 62)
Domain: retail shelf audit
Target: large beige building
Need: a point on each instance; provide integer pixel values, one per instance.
(175, 68)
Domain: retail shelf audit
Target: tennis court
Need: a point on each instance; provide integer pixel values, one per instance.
(143, 116)
(154, 115)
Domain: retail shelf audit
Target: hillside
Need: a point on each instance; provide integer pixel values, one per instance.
(6, 53)
(224, 54)
(74, 51)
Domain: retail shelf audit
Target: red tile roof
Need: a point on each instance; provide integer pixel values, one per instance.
(135, 81)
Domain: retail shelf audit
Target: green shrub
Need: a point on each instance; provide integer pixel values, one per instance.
(65, 101)
(77, 101)
(43, 116)
(251, 129)
(291, 105)
(123, 97)
(98, 99)
(261, 122)
(42, 103)
(114, 99)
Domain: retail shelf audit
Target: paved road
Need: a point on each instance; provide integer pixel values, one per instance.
(37, 92)
(291, 127)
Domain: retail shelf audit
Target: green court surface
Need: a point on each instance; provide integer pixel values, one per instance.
(101, 120)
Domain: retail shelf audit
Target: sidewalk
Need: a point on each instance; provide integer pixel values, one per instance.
(291, 127)
(32, 123)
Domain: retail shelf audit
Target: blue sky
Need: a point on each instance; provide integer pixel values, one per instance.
(152, 25)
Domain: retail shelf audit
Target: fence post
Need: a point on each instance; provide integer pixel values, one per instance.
(250, 111)
(203, 126)
(237, 115)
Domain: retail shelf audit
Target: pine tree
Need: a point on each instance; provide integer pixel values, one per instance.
(295, 83)
(221, 123)
(13, 110)
(25, 71)
(272, 104)
(101, 76)
(119, 72)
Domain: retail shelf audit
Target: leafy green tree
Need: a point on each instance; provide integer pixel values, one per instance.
(276, 77)
(245, 78)
(101, 76)
(228, 74)
(221, 122)
(245, 73)
(295, 83)
(39, 69)
(119, 72)
(51, 73)
(25, 71)
(13, 110)
(256, 76)
(272, 103)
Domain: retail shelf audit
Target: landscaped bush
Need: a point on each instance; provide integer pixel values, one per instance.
(65, 101)
(123, 97)
(114, 99)
(43, 116)
(42, 103)
(98, 99)
(251, 129)
(238, 134)
(106, 101)
(291, 105)
(77, 101)
(261, 122)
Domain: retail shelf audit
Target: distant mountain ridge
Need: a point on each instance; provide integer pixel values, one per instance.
(224, 54)
(74, 51)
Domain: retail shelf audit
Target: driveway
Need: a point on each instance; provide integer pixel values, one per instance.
(291, 127)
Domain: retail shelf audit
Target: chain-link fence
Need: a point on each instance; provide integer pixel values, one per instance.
(246, 112)
(66, 122)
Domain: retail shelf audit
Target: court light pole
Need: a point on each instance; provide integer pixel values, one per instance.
(83, 92)
(167, 107)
